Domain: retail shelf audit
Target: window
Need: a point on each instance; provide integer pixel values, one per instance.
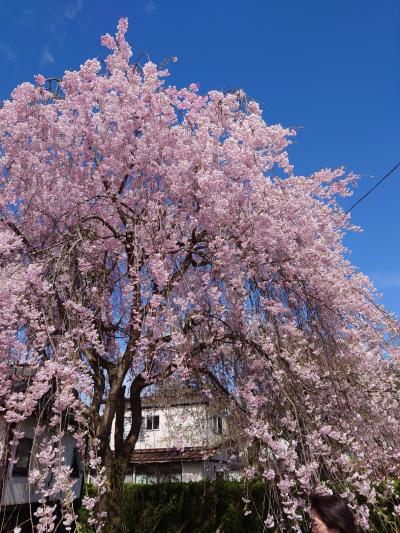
(158, 472)
(217, 424)
(75, 471)
(22, 456)
(153, 422)
(219, 474)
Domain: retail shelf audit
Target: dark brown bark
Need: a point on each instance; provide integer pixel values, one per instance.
(112, 502)
(117, 460)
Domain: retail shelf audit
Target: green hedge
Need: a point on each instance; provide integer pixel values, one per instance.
(208, 507)
(193, 507)
(198, 507)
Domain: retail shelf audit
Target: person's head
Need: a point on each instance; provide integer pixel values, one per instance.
(330, 514)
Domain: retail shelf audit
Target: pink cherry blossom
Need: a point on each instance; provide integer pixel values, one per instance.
(149, 232)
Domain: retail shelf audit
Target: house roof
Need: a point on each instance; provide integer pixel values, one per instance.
(157, 402)
(161, 402)
(166, 455)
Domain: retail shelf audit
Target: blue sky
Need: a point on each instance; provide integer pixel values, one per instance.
(328, 68)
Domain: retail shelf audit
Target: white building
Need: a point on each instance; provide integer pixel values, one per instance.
(182, 440)
(15, 488)
(17, 494)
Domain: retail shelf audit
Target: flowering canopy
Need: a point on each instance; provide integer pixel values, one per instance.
(146, 231)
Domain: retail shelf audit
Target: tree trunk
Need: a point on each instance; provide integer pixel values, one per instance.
(113, 501)
(116, 461)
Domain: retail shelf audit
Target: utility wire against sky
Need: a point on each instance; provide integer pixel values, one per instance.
(374, 187)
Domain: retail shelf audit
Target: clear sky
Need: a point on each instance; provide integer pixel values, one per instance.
(327, 67)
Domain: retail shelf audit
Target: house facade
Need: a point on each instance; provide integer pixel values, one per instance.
(180, 440)
(18, 495)
(16, 462)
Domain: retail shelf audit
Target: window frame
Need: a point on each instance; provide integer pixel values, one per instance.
(19, 470)
(151, 419)
(217, 424)
(75, 464)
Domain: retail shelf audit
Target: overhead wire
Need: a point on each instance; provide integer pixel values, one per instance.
(374, 187)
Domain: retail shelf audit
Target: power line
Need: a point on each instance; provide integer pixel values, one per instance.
(374, 187)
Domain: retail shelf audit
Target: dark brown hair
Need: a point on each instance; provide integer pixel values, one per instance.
(334, 512)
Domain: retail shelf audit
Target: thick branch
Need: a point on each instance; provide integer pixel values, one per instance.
(135, 402)
(119, 422)
(100, 219)
(220, 386)
(19, 233)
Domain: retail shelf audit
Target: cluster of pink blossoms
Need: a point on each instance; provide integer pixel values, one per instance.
(147, 230)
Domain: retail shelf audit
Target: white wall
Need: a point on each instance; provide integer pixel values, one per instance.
(180, 426)
(17, 489)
